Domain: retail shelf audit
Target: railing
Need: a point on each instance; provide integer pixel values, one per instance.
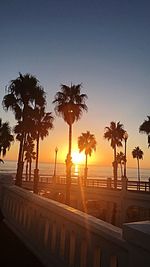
(138, 186)
(98, 182)
(67, 237)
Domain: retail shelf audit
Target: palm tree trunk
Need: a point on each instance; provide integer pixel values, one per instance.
(24, 141)
(68, 167)
(26, 170)
(37, 152)
(30, 163)
(121, 170)
(115, 168)
(138, 173)
(36, 171)
(70, 138)
(86, 170)
(20, 163)
(21, 152)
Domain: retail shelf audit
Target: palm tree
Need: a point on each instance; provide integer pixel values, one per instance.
(23, 93)
(87, 143)
(43, 123)
(70, 104)
(6, 138)
(145, 128)
(120, 160)
(115, 134)
(138, 154)
(29, 155)
(25, 130)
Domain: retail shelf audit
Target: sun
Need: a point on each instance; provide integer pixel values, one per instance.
(77, 158)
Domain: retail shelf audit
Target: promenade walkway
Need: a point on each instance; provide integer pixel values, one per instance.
(13, 252)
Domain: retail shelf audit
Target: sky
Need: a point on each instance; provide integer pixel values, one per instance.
(102, 44)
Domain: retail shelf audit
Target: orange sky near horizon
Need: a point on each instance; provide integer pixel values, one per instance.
(58, 137)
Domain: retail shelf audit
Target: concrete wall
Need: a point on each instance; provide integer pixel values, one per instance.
(115, 206)
(69, 237)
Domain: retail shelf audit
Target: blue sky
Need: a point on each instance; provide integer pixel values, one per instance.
(103, 44)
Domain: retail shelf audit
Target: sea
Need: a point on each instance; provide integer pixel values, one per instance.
(94, 171)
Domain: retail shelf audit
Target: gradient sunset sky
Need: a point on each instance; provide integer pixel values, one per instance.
(105, 45)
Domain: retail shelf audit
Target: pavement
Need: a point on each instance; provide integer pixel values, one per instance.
(13, 252)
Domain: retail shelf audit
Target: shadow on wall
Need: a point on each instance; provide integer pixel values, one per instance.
(135, 213)
(1, 216)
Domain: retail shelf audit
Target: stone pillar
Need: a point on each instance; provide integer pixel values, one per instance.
(109, 182)
(124, 181)
(5, 179)
(36, 181)
(137, 236)
(54, 180)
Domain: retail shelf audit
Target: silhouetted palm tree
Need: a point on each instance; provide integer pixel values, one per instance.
(43, 123)
(6, 138)
(115, 134)
(138, 154)
(23, 93)
(87, 143)
(70, 104)
(145, 128)
(29, 156)
(120, 160)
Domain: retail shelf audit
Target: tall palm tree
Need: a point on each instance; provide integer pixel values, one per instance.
(23, 92)
(145, 128)
(87, 143)
(115, 134)
(43, 123)
(120, 160)
(138, 154)
(6, 138)
(70, 104)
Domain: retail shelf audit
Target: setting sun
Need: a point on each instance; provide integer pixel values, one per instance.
(77, 157)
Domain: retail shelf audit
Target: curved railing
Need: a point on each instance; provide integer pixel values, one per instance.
(67, 237)
(101, 182)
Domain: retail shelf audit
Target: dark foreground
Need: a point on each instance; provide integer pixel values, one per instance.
(13, 252)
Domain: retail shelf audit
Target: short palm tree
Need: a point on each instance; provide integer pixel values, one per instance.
(70, 104)
(6, 138)
(23, 93)
(115, 134)
(145, 128)
(87, 143)
(43, 123)
(120, 160)
(29, 156)
(138, 154)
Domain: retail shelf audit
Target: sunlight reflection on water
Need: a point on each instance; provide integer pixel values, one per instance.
(77, 170)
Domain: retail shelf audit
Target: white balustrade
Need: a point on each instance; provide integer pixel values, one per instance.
(66, 236)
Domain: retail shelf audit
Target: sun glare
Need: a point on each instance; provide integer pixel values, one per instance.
(77, 157)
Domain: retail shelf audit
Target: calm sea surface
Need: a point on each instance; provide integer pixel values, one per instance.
(93, 170)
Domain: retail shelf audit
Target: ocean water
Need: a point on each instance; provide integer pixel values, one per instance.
(94, 171)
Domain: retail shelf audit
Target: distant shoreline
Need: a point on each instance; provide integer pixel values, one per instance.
(81, 165)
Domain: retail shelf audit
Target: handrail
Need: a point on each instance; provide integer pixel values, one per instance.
(101, 182)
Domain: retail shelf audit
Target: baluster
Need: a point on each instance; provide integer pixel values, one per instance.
(62, 241)
(83, 253)
(72, 249)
